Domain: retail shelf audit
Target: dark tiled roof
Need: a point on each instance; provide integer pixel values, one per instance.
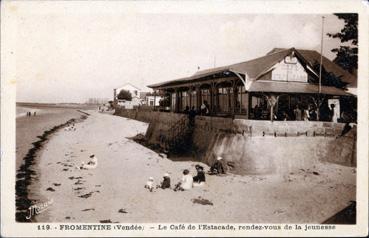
(293, 87)
(254, 68)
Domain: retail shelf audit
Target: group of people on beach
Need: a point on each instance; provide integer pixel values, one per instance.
(30, 114)
(188, 181)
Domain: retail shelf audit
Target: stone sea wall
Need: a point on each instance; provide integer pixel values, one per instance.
(254, 147)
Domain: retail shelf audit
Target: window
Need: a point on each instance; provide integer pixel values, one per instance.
(185, 100)
(224, 99)
(242, 100)
(260, 108)
(174, 102)
(205, 95)
(193, 99)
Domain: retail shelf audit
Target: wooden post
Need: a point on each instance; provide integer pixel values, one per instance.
(177, 100)
(189, 94)
(212, 98)
(271, 112)
(115, 100)
(154, 100)
(249, 105)
(272, 100)
(234, 97)
(198, 97)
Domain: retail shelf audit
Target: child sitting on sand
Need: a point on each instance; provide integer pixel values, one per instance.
(150, 184)
(199, 179)
(165, 183)
(186, 182)
(218, 167)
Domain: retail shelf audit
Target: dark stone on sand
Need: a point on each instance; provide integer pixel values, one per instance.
(202, 201)
(106, 221)
(122, 210)
(316, 173)
(56, 184)
(67, 218)
(79, 188)
(87, 195)
(88, 209)
(79, 182)
(50, 189)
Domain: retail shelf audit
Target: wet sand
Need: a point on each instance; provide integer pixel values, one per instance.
(28, 128)
(32, 133)
(114, 191)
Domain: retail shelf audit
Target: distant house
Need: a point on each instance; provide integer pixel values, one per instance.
(135, 93)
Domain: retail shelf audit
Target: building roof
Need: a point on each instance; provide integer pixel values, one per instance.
(138, 89)
(294, 87)
(312, 56)
(257, 67)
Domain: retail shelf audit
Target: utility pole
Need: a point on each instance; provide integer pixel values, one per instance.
(319, 103)
(321, 57)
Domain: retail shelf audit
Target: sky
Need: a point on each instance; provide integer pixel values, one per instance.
(72, 56)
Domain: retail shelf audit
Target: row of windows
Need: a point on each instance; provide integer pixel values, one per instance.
(222, 102)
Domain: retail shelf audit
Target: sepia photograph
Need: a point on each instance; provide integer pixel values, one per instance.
(185, 120)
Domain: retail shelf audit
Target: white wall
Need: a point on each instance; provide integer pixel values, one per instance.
(135, 92)
(150, 100)
(289, 70)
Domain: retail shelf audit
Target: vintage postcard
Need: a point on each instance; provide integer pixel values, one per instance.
(184, 118)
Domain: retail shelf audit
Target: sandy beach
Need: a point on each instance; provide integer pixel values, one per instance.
(114, 191)
(28, 128)
(32, 132)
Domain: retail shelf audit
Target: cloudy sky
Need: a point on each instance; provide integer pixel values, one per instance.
(72, 56)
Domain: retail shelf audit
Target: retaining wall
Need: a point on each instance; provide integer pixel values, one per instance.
(257, 147)
(160, 124)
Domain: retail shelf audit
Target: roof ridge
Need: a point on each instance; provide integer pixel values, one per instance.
(268, 55)
(127, 84)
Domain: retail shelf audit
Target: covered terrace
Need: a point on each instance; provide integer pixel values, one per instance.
(266, 88)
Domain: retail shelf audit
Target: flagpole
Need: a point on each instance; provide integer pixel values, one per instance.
(318, 103)
(321, 57)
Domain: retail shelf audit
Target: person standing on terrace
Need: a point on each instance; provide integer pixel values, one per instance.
(204, 108)
(298, 113)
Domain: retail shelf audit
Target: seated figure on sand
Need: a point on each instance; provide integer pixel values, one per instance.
(150, 184)
(186, 182)
(91, 164)
(165, 183)
(218, 167)
(199, 179)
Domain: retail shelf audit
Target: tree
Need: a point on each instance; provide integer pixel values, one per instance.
(124, 95)
(328, 78)
(346, 55)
